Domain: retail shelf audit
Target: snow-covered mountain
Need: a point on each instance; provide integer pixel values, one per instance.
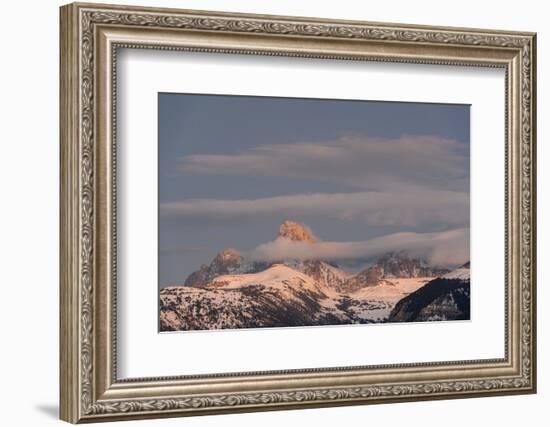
(444, 298)
(278, 276)
(228, 261)
(276, 297)
(325, 274)
(400, 264)
(236, 292)
(391, 266)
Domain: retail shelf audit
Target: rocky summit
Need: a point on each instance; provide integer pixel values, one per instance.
(228, 261)
(296, 232)
(389, 266)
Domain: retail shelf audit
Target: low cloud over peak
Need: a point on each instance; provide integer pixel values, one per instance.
(447, 248)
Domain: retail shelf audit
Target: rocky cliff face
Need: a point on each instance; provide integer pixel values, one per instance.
(327, 275)
(390, 266)
(371, 276)
(228, 261)
(400, 264)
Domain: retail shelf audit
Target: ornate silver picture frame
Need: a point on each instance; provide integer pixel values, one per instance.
(91, 37)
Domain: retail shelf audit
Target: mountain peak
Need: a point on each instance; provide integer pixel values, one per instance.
(296, 232)
(396, 257)
(227, 261)
(402, 264)
(229, 254)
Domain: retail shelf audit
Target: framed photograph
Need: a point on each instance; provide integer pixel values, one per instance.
(266, 212)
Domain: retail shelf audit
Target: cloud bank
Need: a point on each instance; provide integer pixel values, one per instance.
(408, 162)
(448, 248)
(405, 209)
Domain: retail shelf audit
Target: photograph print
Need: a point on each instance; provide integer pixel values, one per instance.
(278, 212)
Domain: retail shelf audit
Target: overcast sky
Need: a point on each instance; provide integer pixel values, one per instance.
(364, 176)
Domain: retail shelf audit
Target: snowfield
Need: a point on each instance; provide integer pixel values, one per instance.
(278, 275)
(460, 273)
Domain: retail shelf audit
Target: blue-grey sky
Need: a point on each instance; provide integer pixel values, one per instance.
(232, 168)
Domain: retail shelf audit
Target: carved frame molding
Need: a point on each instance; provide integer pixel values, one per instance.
(90, 36)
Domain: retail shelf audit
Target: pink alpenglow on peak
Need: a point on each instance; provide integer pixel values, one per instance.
(297, 232)
(228, 255)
